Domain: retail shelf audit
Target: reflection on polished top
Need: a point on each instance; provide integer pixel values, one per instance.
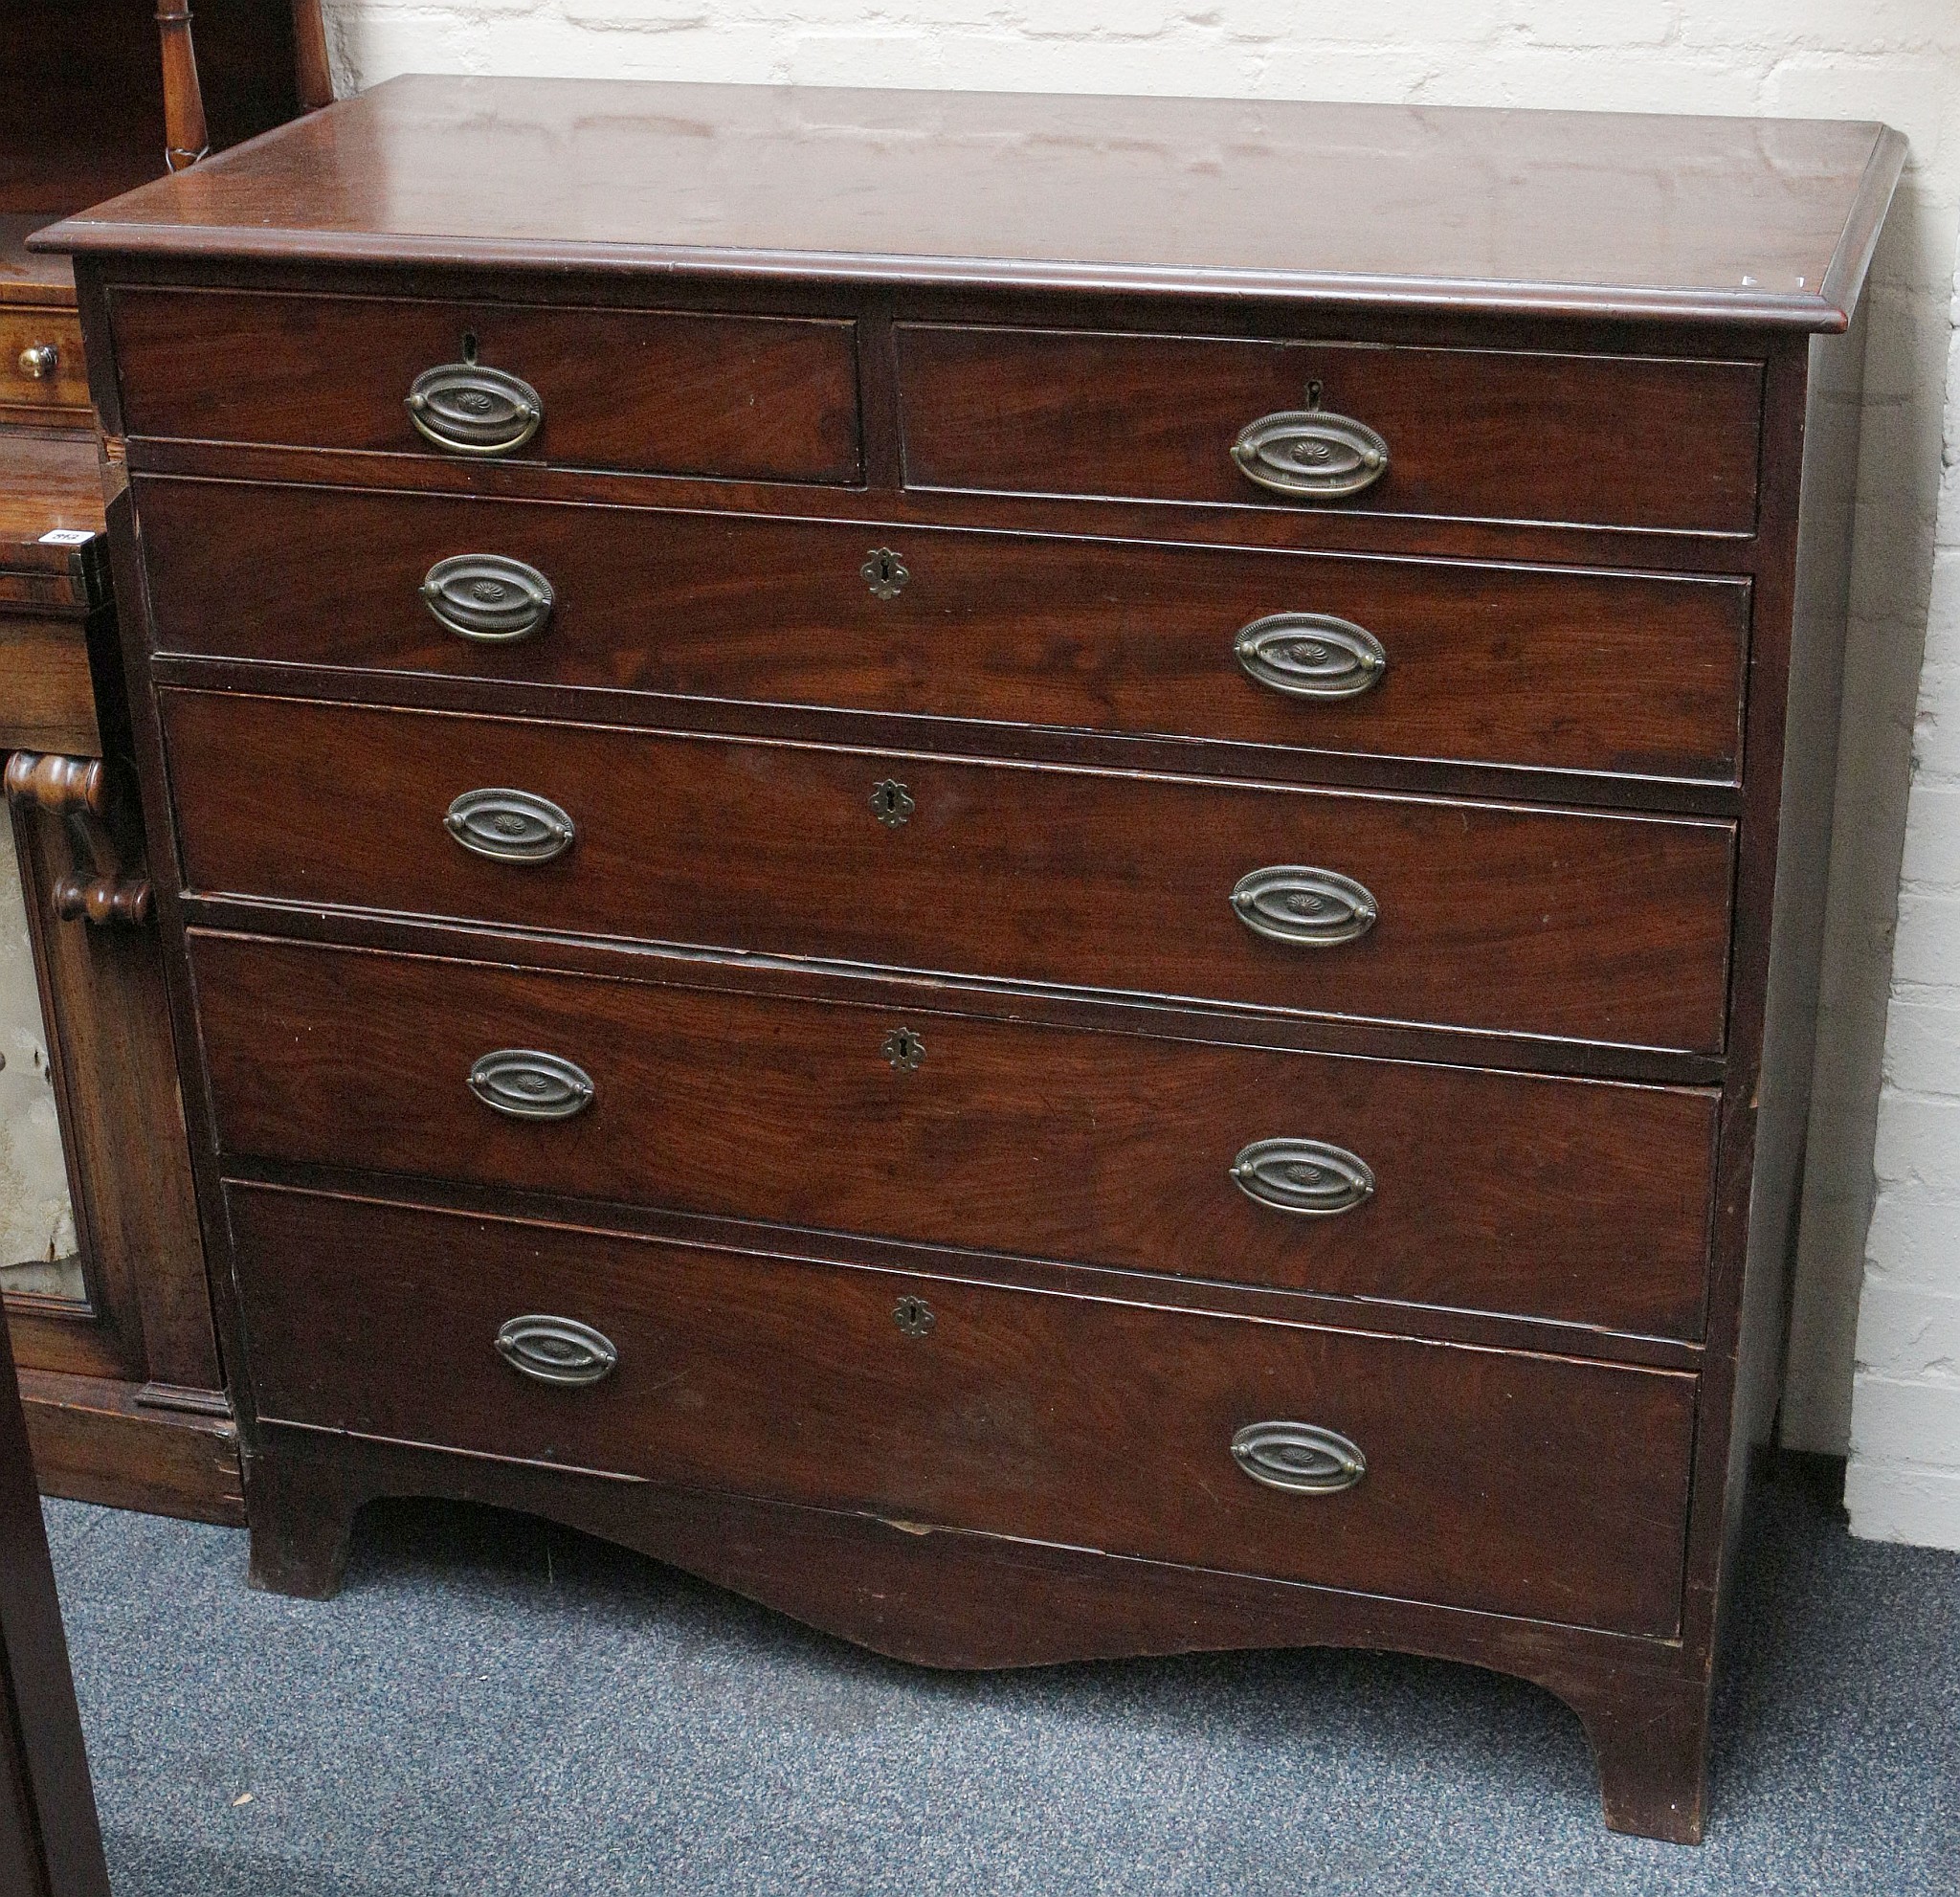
(1756, 220)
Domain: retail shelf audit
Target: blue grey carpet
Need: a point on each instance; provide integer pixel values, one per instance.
(496, 1707)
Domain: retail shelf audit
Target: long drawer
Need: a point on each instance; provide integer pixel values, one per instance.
(1630, 441)
(751, 398)
(1579, 1200)
(1503, 1480)
(1481, 664)
(1610, 928)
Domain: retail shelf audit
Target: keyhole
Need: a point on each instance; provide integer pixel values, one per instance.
(1313, 392)
(470, 348)
(905, 1050)
(884, 572)
(893, 802)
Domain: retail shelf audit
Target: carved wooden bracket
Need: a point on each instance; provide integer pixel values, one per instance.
(100, 887)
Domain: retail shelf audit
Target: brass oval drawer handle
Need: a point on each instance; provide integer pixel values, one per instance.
(1311, 454)
(38, 361)
(557, 1350)
(488, 599)
(1311, 908)
(1309, 1176)
(509, 826)
(1302, 1458)
(471, 410)
(1311, 654)
(529, 1085)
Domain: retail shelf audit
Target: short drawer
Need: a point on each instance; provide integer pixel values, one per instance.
(1499, 1481)
(1628, 441)
(747, 397)
(42, 373)
(1467, 914)
(1586, 1201)
(1481, 664)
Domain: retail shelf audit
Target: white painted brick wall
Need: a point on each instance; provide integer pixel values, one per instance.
(1904, 1481)
(1893, 59)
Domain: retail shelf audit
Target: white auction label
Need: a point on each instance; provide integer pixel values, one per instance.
(67, 537)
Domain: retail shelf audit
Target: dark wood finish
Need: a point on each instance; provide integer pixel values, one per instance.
(1496, 435)
(1010, 1415)
(49, 1844)
(1575, 1200)
(51, 485)
(1607, 928)
(314, 75)
(46, 692)
(1586, 671)
(294, 807)
(187, 137)
(104, 885)
(904, 1593)
(82, 92)
(1712, 220)
(755, 398)
(1324, 530)
(96, 95)
(113, 1066)
(148, 1447)
(52, 395)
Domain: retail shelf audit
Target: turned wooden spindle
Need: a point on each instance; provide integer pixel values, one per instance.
(309, 56)
(186, 136)
(100, 888)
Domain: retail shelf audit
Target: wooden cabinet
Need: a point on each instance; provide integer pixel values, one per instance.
(119, 1355)
(1044, 917)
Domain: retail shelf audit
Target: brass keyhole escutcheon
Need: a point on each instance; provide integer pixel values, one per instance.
(905, 1050)
(914, 1316)
(893, 803)
(884, 572)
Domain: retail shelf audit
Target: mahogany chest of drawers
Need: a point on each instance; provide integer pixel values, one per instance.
(1043, 875)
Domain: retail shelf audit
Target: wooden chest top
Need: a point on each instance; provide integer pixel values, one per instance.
(1554, 213)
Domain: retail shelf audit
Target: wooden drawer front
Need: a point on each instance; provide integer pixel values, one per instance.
(1586, 671)
(1496, 1479)
(29, 382)
(1630, 441)
(760, 398)
(1586, 1201)
(1543, 921)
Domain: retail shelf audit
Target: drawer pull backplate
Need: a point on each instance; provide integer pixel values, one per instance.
(471, 410)
(486, 599)
(509, 826)
(557, 1350)
(1308, 1176)
(1311, 654)
(1300, 1457)
(529, 1085)
(1311, 454)
(1312, 909)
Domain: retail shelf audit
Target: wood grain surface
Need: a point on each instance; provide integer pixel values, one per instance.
(1607, 928)
(1495, 1480)
(1480, 433)
(755, 397)
(1595, 213)
(1575, 1200)
(1623, 673)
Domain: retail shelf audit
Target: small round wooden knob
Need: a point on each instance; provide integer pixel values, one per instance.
(39, 360)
